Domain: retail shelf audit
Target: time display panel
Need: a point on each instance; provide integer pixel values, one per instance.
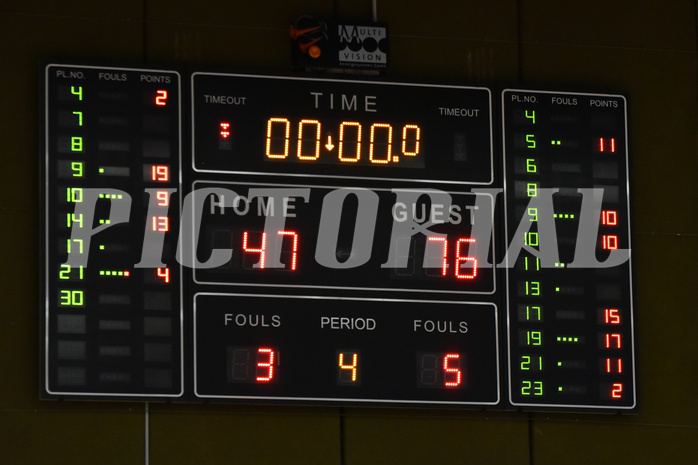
(334, 241)
(341, 129)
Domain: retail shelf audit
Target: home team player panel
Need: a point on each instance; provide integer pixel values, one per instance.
(111, 162)
(333, 241)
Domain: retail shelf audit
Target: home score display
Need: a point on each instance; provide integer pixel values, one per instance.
(217, 237)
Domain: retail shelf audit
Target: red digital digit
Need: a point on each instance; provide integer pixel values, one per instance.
(164, 273)
(260, 250)
(294, 252)
(265, 365)
(613, 339)
(609, 217)
(160, 173)
(607, 146)
(161, 223)
(460, 259)
(163, 198)
(617, 390)
(161, 98)
(445, 252)
(610, 242)
(616, 365)
(452, 373)
(611, 316)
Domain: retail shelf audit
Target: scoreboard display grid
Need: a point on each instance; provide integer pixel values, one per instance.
(333, 241)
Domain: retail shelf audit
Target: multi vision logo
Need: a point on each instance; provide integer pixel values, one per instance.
(362, 45)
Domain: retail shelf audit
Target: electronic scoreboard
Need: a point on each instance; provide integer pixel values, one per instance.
(217, 237)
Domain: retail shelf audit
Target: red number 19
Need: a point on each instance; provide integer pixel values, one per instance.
(160, 173)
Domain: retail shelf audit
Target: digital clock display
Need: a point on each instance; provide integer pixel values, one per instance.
(339, 128)
(334, 241)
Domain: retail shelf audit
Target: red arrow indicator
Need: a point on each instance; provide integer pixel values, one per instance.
(224, 130)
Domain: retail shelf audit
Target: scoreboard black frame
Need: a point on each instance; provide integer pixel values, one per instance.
(229, 237)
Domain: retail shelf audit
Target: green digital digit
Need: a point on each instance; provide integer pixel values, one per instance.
(77, 91)
(531, 165)
(532, 287)
(532, 189)
(529, 388)
(74, 194)
(76, 166)
(529, 363)
(77, 298)
(531, 238)
(76, 144)
(531, 116)
(533, 213)
(72, 298)
(533, 313)
(72, 218)
(532, 264)
(77, 241)
(531, 140)
(525, 388)
(534, 338)
(525, 362)
(79, 115)
(66, 270)
(538, 388)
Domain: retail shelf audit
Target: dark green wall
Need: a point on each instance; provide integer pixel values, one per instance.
(644, 49)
